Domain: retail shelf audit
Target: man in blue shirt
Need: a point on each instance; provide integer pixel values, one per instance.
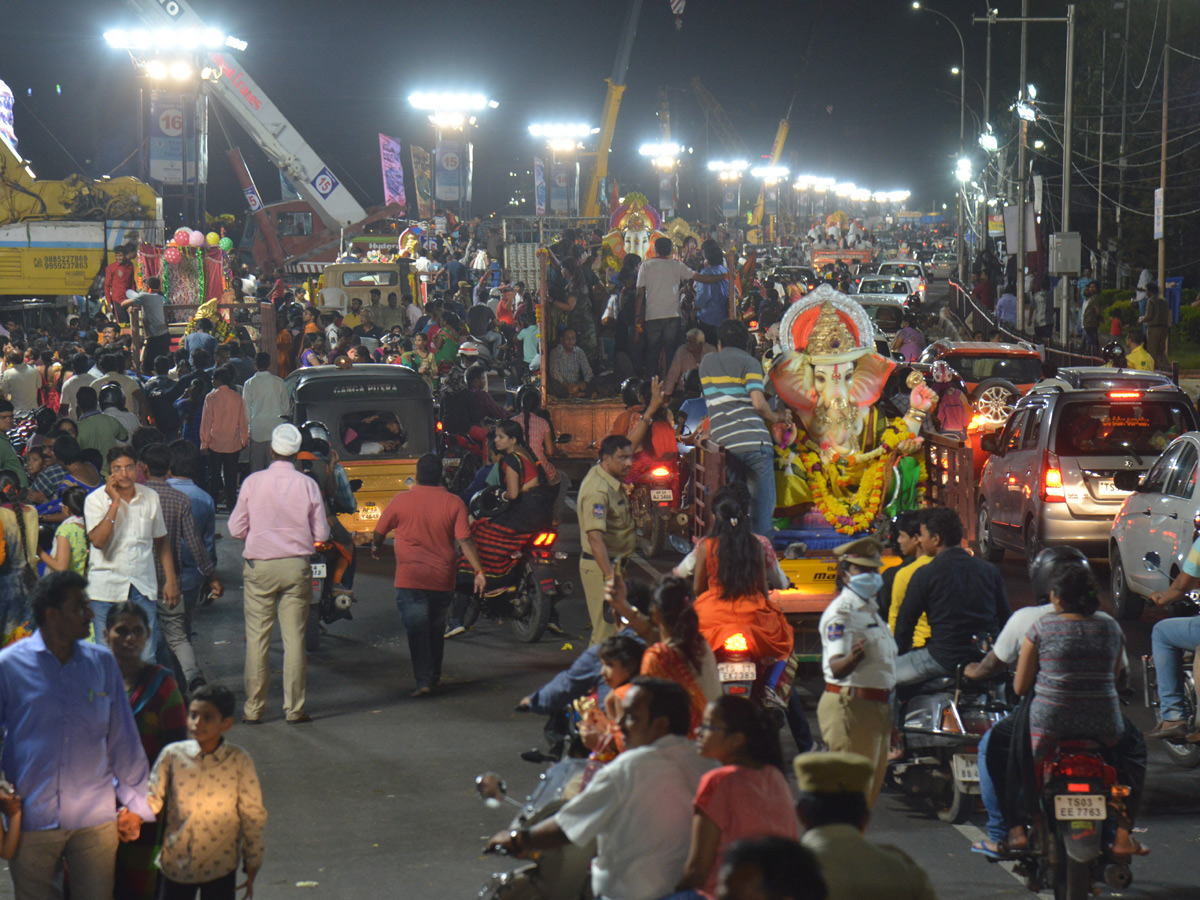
(185, 466)
(71, 748)
(712, 298)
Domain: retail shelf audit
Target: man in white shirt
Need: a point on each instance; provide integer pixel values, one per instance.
(657, 311)
(266, 399)
(638, 808)
(127, 531)
(81, 378)
(20, 382)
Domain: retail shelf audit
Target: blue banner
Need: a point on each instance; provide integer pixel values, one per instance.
(560, 188)
(448, 172)
(539, 187)
(731, 200)
(393, 170)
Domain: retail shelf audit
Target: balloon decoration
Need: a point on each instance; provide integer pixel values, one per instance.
(212, 238)
(196, 239)
(173, 255)
(183, 236)
(225, 244)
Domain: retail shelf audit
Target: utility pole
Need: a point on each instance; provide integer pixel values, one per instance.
(1068, 123)
(1099, 261)
(1121, 147)
(984, 231)
(1162, 166)
(1021, 176)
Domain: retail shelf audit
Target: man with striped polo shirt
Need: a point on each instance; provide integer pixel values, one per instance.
(739, 416)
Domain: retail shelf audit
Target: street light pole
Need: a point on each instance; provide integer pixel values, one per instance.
(962, 124)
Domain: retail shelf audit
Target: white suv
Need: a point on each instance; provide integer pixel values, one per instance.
(908, 269)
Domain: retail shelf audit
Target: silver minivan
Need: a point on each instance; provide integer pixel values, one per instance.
(1049, 479)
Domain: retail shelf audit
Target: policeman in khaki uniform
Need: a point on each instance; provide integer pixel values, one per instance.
(833, 809)
(605, 527)
(858, 657)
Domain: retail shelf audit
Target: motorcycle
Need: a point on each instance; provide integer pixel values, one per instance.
(942, 725)
(656, 498)
(526, 594)
(1179, 751)
(462, 455)
(1079, 806)
(328, 604)
(563, 873)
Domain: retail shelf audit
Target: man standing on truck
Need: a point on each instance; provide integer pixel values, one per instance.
(740, 417)
(118, 278)
(606, 525)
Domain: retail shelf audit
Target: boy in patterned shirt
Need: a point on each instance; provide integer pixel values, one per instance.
(213, 802)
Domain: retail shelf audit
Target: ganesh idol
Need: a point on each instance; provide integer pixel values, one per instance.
(844, 463)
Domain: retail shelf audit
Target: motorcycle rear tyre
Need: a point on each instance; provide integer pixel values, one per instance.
(312, 628)
(958, 810)
(530, 628)
(471, 615)
(1072, 879)
(652, 537)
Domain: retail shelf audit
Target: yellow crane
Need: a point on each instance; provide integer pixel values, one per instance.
(612, 103)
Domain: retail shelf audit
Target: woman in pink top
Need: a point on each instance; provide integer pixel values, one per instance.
(538, 433)
(746, 797)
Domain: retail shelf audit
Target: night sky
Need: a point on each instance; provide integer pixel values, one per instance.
(876, 103)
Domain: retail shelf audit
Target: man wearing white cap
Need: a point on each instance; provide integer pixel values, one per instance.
(279, 538)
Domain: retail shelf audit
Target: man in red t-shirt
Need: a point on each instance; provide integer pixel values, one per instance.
(118, 278)
(428, 522)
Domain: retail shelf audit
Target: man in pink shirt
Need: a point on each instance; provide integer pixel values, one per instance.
(280, 515)
(428, 522)
(224, 433)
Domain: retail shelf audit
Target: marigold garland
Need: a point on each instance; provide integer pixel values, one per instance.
(854, 513)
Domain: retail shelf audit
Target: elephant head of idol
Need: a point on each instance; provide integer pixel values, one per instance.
(829, 372)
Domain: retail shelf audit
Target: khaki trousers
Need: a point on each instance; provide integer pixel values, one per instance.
(592, 579)
(855, 725)
(91, 855)
(283, 588)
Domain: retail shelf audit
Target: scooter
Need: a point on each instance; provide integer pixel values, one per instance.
(328, 605)
(941, 726)
(656, 498)
(1179, 751)
(563, 873)
(1070, 842)
(526, 594)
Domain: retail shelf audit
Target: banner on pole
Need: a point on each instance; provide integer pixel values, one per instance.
(392, 163)
(447, 184)
(539, 187)
(1158, 214)
(7, 128)
(560, 188)
(422, 180)
(166, 137)
(730, 201)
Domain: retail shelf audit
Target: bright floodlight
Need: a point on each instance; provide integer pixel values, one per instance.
(845, 188)
(561, 130)
(955, 70)
(448, 120)
(1026, 112)
(988, 142)
(916, 4)
(770, 172)
(156, 70)
(449, 102)
(736, 165)
(1031, 92)
(186, 38)
(181, 71)
(660, 150)
(1039, 145)
(213, 38)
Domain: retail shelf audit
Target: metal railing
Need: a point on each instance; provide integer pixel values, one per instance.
(951, 467)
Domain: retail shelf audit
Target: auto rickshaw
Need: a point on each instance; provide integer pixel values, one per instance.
(381, 421)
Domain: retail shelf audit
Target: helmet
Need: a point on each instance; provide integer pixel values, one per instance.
(488, 503)
(527, 394)
(1046, 562)
(469, 348)
(111, 395)
(1115, 354)
(314, 438)
(388, 339)
(941, 372)
(631, 391)
(494, 293)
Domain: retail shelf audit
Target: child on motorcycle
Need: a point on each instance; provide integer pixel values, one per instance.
(620, 660)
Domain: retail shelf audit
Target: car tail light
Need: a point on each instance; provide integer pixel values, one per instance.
(737, 643)
(1079, 787)
(660, 472)
(1052, 480)
(1125, 395)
